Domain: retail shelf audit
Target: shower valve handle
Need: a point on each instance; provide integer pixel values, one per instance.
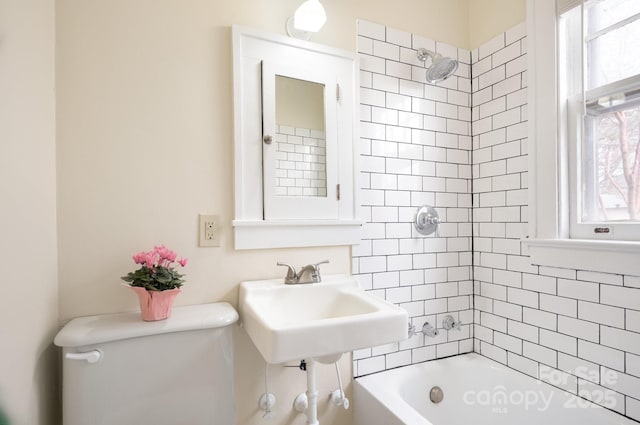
(450, 323)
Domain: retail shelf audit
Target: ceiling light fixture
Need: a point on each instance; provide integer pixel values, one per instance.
(308, 18)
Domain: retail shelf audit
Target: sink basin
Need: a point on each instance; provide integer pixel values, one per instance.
(305, 321)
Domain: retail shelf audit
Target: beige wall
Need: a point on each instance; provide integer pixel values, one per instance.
(144, 109)
(445, 21)
(29, 302)
(488, 18)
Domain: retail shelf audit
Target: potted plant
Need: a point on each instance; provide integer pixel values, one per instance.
(156, 282)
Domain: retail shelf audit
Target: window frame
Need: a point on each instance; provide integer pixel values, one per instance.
(575, 128)
(549, 242)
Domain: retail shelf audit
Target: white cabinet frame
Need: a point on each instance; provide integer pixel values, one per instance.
(251, 230)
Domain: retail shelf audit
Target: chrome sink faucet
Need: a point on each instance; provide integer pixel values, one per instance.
(307, 274)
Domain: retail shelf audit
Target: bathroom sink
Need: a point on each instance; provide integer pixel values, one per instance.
(315, 320)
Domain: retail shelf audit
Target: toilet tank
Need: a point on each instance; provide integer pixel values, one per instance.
(120, 370)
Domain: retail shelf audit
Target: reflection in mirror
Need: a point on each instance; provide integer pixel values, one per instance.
(300, 138)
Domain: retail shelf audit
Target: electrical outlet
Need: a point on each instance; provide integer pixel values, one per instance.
(209, 230)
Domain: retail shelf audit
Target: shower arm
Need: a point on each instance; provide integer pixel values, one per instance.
(424, 54)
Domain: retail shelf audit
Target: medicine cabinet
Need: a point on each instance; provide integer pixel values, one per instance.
(295, 138)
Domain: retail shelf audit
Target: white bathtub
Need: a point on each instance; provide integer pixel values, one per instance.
(477, 391)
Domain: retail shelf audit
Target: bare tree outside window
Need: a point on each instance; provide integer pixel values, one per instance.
(619, 164)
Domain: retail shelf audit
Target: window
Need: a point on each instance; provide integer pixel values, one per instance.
(583, 79)
(599, 95)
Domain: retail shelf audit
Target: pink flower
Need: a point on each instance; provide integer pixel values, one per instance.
(165, 254)
(150, 259)
(160, 256)
(139, 258)
(169, 255)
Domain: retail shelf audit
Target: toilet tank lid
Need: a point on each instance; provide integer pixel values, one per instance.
(91, 330)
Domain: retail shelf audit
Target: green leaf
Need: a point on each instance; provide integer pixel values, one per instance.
(158, 279)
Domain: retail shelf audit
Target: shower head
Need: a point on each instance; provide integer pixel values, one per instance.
(441, 68)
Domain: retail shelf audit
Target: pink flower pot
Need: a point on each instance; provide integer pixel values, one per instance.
(155, 305)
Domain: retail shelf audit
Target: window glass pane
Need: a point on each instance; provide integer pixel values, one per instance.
(611, 165)
(604, 13)
(614, 55)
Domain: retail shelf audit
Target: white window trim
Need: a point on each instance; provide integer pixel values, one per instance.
(548, 242)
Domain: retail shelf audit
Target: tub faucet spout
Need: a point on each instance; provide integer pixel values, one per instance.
(427, 330)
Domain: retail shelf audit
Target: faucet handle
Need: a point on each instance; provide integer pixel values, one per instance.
(411, 330)
(291, 276)
(317, 277)
(450, 323)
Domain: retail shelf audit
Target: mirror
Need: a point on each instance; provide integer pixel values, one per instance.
(300, 164)
(300, 138)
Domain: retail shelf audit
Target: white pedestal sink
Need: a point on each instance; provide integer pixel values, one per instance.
(314, 320)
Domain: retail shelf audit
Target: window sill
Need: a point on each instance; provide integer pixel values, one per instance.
(619, 257)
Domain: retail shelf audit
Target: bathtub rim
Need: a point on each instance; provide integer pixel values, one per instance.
(392, 391)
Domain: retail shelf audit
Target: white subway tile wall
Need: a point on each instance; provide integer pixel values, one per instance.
(578, 330)
(416, 150)
(461, 146)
